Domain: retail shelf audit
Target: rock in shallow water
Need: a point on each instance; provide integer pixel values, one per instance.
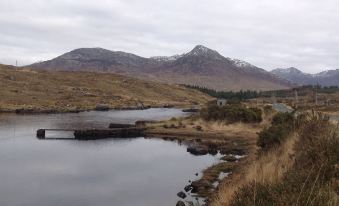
(182, 195)
(188, 188)
(180, 203)
(197, 150)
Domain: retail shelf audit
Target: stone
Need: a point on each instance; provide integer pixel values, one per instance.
(182, 195)
(197, 150)
(180, 203)
(213, 151)
(188, 188)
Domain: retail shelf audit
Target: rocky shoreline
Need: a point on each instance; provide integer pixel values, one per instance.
(231, 156)
(232, 146)
(207, 184)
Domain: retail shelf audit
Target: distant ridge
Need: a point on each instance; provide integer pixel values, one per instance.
(201, 66)
(295, 76)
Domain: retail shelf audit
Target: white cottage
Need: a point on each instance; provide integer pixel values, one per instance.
(221, 102)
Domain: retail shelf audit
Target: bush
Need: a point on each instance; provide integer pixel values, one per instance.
(281, 126)
(282, 118)
(231, 113)
(268, 109)
(318, 145)
(272, 136)
(310, 179)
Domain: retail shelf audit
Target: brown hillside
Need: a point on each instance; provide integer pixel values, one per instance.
(67, 91)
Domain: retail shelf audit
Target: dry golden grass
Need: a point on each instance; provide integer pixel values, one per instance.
(268, 168)
(64, 91)
(236, 128)
(187, 128)
(307, 158)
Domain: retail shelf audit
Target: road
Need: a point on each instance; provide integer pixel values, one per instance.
(282, 107)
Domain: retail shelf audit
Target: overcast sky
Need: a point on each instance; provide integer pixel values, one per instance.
(266, 33)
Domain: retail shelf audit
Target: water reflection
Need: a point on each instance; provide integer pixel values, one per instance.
(122, 172)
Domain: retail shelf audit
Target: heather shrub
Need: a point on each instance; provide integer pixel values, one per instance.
(231, 114)
(313, 176)
(281, 126)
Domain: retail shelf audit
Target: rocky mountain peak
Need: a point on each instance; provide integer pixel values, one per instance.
(201, 50)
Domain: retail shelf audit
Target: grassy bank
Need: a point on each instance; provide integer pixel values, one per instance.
(301, 169)
(69, 91)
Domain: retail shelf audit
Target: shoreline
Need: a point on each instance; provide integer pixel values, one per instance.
(65, 110)
(236, 143)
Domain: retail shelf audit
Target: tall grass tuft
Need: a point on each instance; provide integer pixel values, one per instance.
(312, 178)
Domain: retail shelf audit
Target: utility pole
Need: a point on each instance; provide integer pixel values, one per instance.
(16, 63)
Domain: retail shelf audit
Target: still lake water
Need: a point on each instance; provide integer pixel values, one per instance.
(110, 172)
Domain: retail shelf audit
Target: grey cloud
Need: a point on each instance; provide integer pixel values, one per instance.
(269, 34)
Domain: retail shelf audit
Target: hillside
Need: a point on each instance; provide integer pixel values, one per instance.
(69, 91)
(201, 66)
(295, 76)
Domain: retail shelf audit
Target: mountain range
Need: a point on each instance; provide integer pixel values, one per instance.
(201, 67)
(295, 76)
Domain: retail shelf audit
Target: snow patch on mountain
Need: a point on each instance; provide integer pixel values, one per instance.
(240, 63)
(166, 58)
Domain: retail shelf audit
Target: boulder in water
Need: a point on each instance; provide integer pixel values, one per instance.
(188, 188)
(182, 195)
(180, 203)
